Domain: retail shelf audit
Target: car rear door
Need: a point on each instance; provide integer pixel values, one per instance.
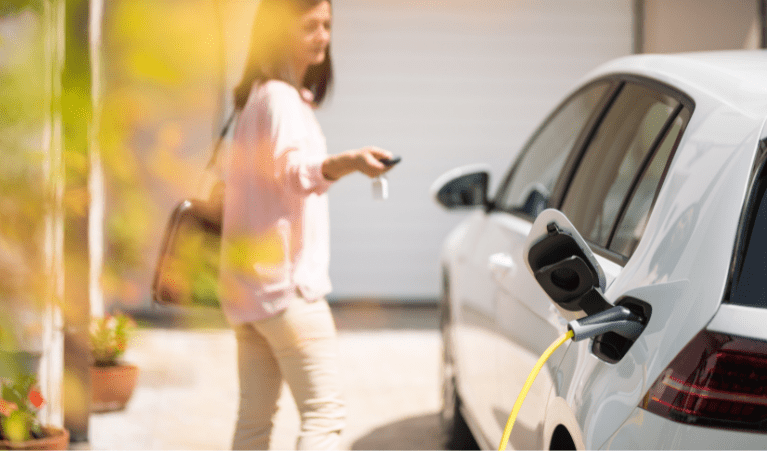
(493, 272)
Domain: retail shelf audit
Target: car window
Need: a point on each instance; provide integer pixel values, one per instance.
(749, 284)
(632, 225)
(529, 187)
(613, 158)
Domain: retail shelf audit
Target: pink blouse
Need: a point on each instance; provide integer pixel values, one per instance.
(275, 238)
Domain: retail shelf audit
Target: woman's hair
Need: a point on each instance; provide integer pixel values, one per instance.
(270, 51)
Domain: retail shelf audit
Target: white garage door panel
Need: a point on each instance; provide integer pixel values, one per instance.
(443, 83)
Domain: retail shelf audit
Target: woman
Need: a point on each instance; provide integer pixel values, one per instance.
(274, 270)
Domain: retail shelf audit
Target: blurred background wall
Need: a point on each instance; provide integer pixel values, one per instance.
(442, 83)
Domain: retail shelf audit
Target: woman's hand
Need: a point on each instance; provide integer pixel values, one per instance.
(365, 160)
(368, 161)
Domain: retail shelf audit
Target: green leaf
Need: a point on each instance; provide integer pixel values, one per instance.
(26, 382)
(10, 394)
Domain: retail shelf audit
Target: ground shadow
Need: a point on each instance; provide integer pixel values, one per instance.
(372, 315)
(349, 315)
(421, 432)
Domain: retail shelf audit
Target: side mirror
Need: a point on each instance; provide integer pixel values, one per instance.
(464, 187)
(536, 199)
(563, 264)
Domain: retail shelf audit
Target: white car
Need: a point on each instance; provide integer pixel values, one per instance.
(645, 188)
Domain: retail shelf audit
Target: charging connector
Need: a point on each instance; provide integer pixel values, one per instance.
(618, 319)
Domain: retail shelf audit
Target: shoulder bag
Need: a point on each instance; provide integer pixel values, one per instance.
(188, 265)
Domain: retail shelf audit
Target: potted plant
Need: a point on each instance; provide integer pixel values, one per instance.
(112, 381)
(19, 426)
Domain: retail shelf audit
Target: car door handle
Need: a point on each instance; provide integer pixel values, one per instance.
(501, 265)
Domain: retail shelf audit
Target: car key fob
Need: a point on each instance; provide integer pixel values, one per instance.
(391, 161)
(380, 183)
(380, 188)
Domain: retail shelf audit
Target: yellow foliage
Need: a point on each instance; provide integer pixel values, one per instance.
(15, 426)
(264, 252)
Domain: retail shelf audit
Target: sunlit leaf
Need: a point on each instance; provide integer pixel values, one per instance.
(16, 426)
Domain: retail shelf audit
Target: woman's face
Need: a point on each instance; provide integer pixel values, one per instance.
(312, 35)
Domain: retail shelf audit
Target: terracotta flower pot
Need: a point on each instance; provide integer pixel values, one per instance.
(55, 438)
(112, 386)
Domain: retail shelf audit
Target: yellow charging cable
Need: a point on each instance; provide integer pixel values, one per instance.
(529, 383)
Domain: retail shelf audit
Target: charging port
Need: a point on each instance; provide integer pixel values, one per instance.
(612, 347)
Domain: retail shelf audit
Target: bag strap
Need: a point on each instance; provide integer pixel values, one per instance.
(221, 137)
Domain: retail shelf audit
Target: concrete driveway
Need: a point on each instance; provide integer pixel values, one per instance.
(186, 396)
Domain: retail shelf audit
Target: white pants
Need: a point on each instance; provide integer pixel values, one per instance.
(300, 346)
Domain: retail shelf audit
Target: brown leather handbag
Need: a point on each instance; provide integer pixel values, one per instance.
(188, 266)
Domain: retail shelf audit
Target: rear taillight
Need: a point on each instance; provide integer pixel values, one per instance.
(717, 380)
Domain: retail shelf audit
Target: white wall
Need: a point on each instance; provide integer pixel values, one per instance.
(442, 83)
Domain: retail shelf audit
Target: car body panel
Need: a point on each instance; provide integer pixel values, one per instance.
(740, 320)
(558, 414)
(695, 223)
(680, 268)
(645, 430)
(525, 328)
(690, 257)
(490, 344)
(471, 293)
(678, 314)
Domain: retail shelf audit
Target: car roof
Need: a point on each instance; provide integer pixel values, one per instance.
(738, 78)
